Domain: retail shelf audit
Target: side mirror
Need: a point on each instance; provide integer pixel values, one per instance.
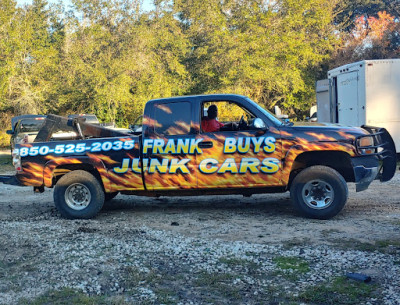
(10, 132)
(259, 124)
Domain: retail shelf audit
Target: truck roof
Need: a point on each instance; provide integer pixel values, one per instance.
(201, 97)
(16, 119)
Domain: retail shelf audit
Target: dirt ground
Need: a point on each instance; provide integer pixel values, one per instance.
(369, 222)
(368, 216)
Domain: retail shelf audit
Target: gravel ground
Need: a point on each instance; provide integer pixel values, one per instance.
(201, 250)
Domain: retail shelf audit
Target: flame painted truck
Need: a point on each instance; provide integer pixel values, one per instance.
(170, 155)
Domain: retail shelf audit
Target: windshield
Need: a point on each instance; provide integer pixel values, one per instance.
(30, 125)
(266, 112)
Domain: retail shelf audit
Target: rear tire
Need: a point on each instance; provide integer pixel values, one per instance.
(78, 195)
(319, 192)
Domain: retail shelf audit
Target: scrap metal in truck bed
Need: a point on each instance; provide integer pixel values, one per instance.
(173, 153)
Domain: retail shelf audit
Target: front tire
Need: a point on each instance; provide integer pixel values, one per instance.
(319, 192)
(78, 195)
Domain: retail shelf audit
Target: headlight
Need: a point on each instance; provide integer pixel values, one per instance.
(364, 143)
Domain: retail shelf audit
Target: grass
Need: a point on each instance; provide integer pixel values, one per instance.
(290, 267)
(339, 291)
(66, 296)
(5, 162)
(135, 277)
(238, 262)
(383, 246)
(162, 284)
(165, 296)
(291, 263)
(218, 283)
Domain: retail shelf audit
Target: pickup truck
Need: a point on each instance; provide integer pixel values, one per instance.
(170, 155)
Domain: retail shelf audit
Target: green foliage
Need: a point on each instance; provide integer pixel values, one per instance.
(66, 296)
(109, 58)
(265, 51)
(340, 291)
(4, 139)
(292, 263)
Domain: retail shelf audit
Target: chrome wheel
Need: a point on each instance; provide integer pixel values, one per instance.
(77, 196)
(317, 194)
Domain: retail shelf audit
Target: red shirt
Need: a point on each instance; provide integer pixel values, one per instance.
(211, 125)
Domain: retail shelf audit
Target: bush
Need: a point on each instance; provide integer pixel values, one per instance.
(4, 139)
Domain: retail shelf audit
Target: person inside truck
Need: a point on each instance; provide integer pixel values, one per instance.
(210, 123)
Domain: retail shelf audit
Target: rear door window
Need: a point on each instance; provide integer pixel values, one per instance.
(172, 118)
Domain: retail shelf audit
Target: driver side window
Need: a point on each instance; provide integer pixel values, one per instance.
(228, 112)
(228, 117)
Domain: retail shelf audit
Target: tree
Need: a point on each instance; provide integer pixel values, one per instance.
(266, 50)
(116, 60)
(349, 10)
(371, 38)
(32, 62)
(8, 44)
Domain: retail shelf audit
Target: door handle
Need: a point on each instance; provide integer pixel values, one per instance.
(205, 144)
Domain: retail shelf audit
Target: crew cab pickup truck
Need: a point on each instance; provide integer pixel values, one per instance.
(170, 155)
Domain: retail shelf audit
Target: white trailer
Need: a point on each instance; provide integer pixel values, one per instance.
(365, 93)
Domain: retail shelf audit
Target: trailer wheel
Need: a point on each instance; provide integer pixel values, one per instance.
(319, 192)
(78, 195)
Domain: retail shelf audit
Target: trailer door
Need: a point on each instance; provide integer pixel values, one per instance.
(347, 97)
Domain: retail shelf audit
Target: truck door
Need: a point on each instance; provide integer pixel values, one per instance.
(236, 156)
(168, 145)
(347, 97)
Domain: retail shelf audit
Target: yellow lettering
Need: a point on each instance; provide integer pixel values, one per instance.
(156, 165)
(243, 147)
(179, 165)
(170, 147)
(229, 165)
(249, 164)
(135, 165)
(257, 143)
(206, 169)
(158, 146)
(270, 165)
(194, 146)
(230, 146)
(182, 147)
(269, 144)
(148, 143)
(124, 167)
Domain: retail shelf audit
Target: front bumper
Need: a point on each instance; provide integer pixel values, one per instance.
(366, 170)
(385, 151)
(379, 165)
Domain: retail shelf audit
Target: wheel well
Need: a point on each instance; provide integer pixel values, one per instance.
(338, 160)
(61, 170)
